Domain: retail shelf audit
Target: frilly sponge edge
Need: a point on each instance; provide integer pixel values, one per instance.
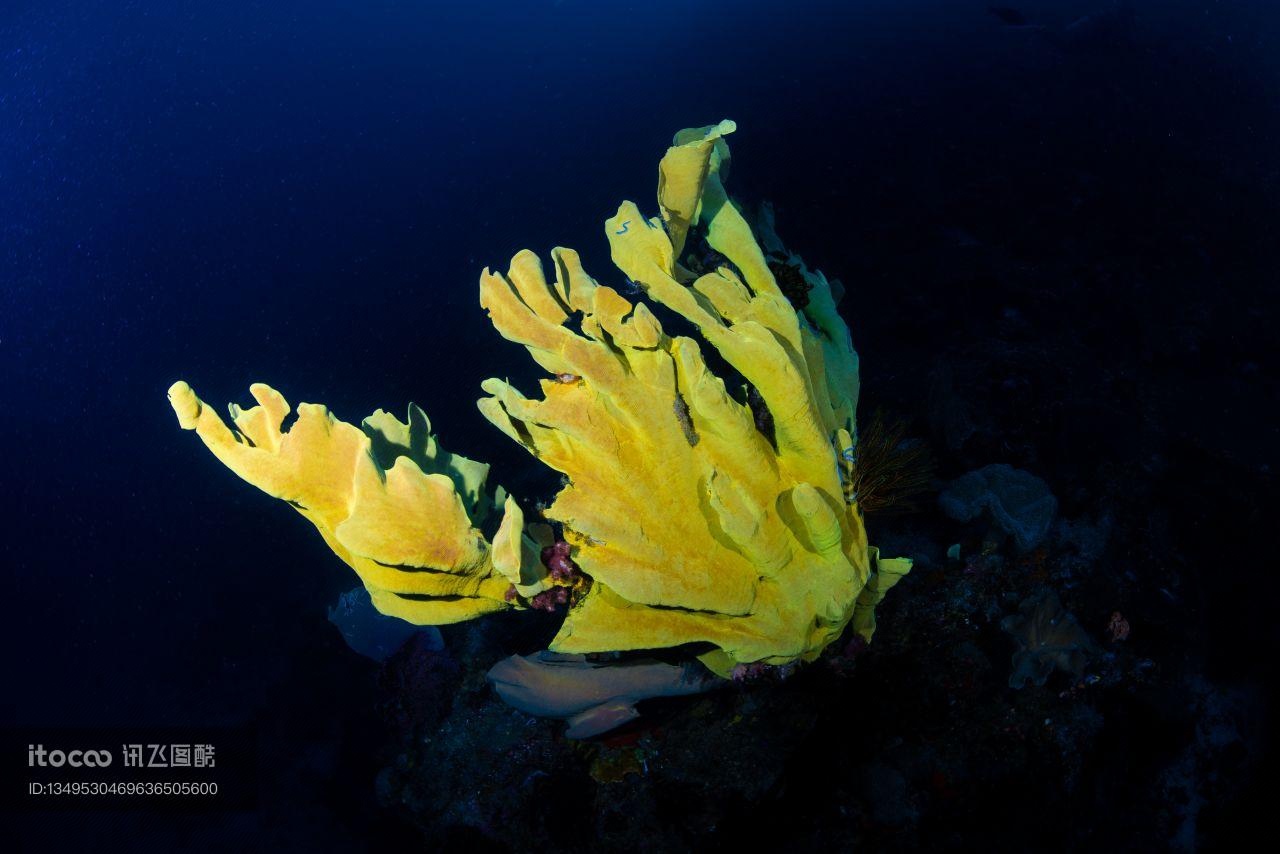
(384, 496)
(692, 524)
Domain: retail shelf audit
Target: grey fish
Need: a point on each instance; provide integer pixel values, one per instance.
(593, 697)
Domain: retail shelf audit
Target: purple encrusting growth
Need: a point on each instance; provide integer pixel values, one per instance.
(548, 600)
(556, 559)
(564, 573)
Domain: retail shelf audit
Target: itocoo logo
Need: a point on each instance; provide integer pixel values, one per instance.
(37, 756)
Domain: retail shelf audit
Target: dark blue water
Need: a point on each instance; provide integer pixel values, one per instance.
(306, 193)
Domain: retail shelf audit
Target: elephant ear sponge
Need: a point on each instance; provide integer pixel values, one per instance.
(694, 525)
(701, 513)
(388, 501)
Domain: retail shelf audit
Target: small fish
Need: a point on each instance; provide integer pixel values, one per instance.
(593, 698)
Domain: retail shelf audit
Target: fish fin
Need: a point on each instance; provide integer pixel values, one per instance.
(601, 718)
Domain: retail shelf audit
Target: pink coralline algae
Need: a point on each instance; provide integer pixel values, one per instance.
(565, 576)
(548, 600)
(1118, 628)
(556, 559)
(758, 670)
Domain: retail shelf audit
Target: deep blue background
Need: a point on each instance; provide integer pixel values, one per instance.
(305, 194)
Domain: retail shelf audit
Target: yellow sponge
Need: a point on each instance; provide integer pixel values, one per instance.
(385, 498)
(693, 523)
